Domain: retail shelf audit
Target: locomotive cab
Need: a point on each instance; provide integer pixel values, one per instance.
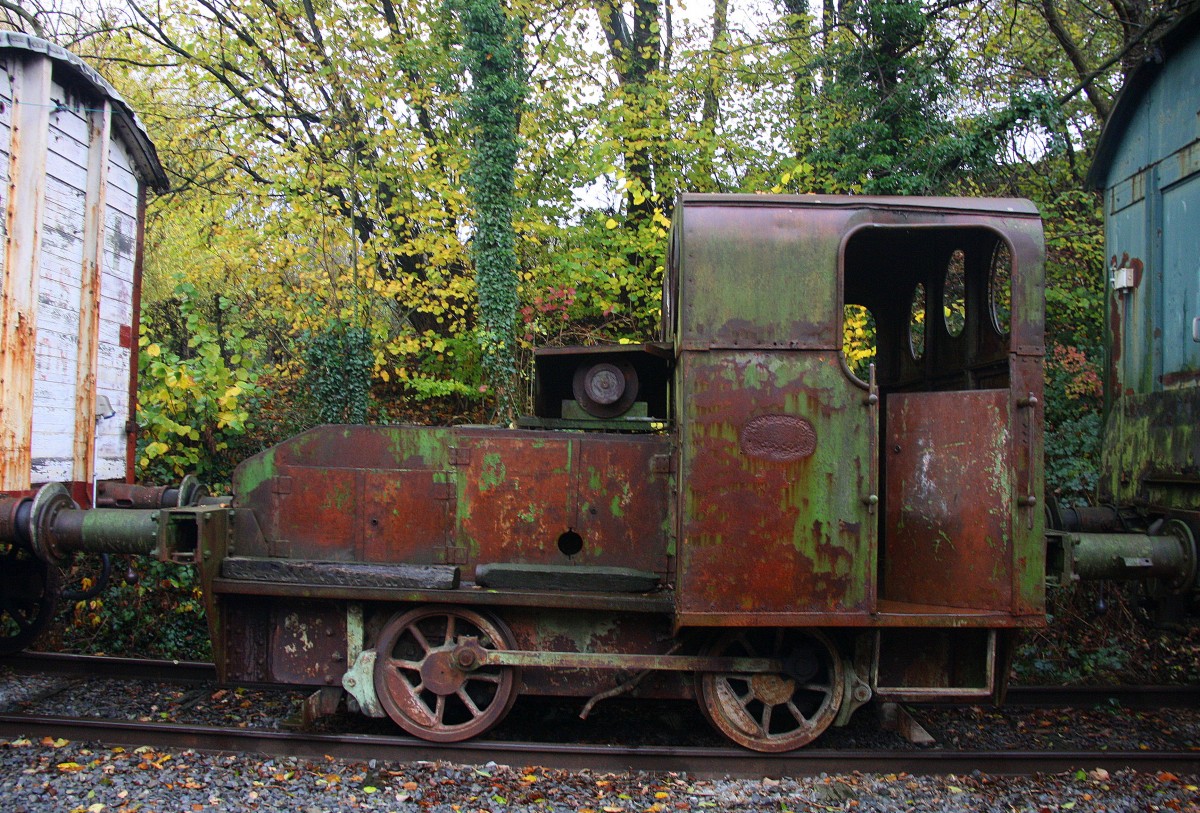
(902, 497)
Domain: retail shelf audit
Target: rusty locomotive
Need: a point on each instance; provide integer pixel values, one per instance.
(729, 513)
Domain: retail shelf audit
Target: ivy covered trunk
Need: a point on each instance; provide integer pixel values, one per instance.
(340, 362)
(492, 53)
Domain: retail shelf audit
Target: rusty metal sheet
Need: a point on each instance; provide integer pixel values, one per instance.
(775, 477)
(948, 535)
(721, 291)
(553, 498)
(308, 643)
(338, 493)
(313, 514)
(406, 516)
(514, 495)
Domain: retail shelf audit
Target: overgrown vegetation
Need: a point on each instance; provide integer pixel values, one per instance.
(159, 613)
(1106, 634)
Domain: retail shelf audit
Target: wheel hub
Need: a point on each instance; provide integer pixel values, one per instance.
(440, 674)
(774, 690)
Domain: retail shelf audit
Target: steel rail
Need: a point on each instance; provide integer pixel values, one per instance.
(699, 762)
(108, 666)
(167, 670)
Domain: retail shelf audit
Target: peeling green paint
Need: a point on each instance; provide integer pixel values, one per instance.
(493, 473)
(340, 498)
(254, 472)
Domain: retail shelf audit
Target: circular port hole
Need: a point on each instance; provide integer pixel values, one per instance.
(570, 543)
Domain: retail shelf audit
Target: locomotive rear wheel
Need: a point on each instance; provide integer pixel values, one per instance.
(425, 690)
(29, 591)
(774, 712)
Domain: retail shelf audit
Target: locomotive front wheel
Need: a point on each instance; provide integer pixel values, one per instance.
(29, 591)
(426, 690)
(774, 712)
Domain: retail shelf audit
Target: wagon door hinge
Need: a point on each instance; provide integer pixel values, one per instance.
(460, 455)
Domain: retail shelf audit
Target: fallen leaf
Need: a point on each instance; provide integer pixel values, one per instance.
(1167, 776)
(69, 767)
(1099, 775)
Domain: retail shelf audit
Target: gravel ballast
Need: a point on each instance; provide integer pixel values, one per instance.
(83, 778)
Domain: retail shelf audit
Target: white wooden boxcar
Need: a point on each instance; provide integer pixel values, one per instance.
(75, 165)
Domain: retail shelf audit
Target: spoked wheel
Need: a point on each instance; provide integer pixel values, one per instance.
(29, 591)
(423, 688)
(774, 712)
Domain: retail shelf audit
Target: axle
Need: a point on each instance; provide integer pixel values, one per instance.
(1169, 556)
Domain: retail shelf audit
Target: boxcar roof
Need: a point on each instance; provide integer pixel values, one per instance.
(1178, 37)
(125, 121)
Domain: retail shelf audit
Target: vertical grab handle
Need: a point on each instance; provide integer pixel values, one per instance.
(871, 402)
(1029, 404)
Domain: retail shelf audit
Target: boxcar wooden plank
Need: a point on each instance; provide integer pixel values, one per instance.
(99, 132)
(18, 313)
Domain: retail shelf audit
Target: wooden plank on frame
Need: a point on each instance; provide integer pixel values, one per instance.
(18, 311)
(95, 203)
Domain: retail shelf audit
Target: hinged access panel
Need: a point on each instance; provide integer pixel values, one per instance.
(949, 468)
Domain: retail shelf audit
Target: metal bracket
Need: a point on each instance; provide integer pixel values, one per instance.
(359, 682)
(856, 695)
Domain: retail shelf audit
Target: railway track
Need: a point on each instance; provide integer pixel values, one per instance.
(700, 762)
(697, 761)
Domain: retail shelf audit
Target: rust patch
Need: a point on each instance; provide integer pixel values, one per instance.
(781, 438)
